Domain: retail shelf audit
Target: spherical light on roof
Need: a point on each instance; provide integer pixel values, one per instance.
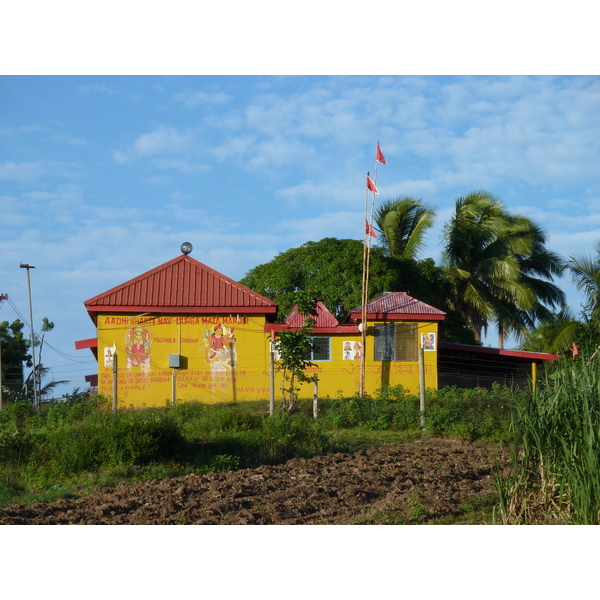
(186, 248)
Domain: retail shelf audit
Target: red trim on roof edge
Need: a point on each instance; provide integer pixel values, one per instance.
(194, 310)
(401, 317)
(275, 327)
(498, 351)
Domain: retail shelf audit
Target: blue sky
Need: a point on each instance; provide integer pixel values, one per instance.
(103, 177)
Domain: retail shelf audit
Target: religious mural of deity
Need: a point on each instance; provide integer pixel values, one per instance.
(138, 341)
(219, 347)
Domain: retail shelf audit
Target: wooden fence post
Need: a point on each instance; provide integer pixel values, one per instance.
(272, 386)
(174, 388)
(316, 396)
(422, 385)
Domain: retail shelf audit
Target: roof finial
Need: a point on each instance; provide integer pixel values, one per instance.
(186, 248)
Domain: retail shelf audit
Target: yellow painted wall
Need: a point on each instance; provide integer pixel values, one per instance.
(145, 378)
(342, 375)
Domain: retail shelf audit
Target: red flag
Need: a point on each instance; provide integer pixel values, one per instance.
(575, 350)
(369, 230)
(371, 185)
(380, 157)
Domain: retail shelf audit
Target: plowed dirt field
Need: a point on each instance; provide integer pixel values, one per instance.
(423, 479)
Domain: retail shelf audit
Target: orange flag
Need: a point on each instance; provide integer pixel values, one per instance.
(369, 230)
(380, 158)
(371, 185)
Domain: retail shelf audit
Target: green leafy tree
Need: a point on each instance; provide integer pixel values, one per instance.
(294, 349)
(331, 268)
(15, 348)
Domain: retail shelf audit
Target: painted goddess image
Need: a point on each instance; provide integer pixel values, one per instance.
(138, 341)
(219, 347)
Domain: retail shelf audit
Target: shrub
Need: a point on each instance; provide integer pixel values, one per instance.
(17, 448)
(16, 413)
(111, 439)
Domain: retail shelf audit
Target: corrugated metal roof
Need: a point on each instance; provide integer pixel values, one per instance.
(183, 284)
(324, 318)
(398, 303)
(465, 348)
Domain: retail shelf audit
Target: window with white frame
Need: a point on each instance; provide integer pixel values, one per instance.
(396, 342)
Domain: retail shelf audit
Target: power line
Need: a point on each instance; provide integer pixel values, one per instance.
(38, 336)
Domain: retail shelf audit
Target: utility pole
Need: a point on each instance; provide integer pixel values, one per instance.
(2, 297)
(34, 378)
(0, 375)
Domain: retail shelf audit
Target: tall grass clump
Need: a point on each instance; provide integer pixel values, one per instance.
(554, 475)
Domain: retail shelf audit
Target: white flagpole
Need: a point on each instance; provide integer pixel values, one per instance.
(365, 278)
(363, 317)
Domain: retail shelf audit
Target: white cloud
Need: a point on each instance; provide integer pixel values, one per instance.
(193, 99)
(343, 224)
(69, 140)
(162, 141)
(25, 171)
(183, 166)
(323, 194)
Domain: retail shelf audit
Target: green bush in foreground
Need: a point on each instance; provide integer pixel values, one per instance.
(136, 438)
(466, 413)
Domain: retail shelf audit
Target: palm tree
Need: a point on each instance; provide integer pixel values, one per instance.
(555, 334)
(560, 331)
(402, 224)
(538, 266)
(585, 272)
(496, 263)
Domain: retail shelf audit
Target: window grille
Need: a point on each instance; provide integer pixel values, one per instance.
(396, 342)
(321, 349)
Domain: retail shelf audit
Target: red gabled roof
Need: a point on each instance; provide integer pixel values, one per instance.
(398, 306)
(182, 285)
(324, 318)
(325, 322)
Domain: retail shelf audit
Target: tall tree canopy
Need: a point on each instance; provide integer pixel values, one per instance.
(558, 332)
(499, 267)
(332, 268)
(15, 348)
(585, 271)
(402, 224)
